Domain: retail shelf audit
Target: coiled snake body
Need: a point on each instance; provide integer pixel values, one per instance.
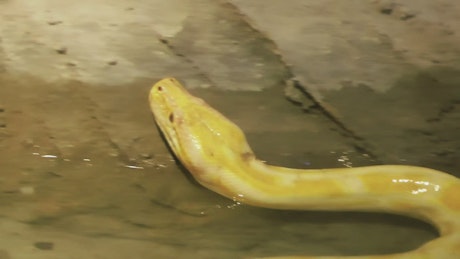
(216, 153)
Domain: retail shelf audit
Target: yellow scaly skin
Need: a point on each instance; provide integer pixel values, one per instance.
(216, 153)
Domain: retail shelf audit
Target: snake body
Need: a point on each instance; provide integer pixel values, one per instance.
(215, 151)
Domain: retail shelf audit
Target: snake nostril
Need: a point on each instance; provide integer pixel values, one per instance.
(171, 117)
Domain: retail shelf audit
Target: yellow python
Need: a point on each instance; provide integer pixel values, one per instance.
(216, 153)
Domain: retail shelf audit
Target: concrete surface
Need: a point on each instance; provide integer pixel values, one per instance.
(85, 174)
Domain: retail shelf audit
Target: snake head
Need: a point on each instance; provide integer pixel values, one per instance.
(200, 137)
(168, 99)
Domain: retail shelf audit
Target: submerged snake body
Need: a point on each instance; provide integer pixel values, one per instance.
(216, 153)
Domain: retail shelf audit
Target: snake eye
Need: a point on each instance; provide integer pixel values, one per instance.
(160, 88)
(171, 117)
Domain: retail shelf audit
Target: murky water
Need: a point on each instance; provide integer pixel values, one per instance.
(85, 174)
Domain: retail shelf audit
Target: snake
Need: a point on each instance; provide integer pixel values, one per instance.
(216, 153)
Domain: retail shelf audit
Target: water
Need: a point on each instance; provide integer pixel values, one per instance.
(85, 174)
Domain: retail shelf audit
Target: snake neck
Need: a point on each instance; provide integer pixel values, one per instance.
(418, 192)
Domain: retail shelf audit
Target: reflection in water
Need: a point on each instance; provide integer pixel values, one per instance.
(344, 159)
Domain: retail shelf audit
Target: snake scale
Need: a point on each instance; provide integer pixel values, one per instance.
(215, 151)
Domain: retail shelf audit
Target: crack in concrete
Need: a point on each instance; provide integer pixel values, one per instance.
(445, 110)
(359, 143)
(176, 52)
